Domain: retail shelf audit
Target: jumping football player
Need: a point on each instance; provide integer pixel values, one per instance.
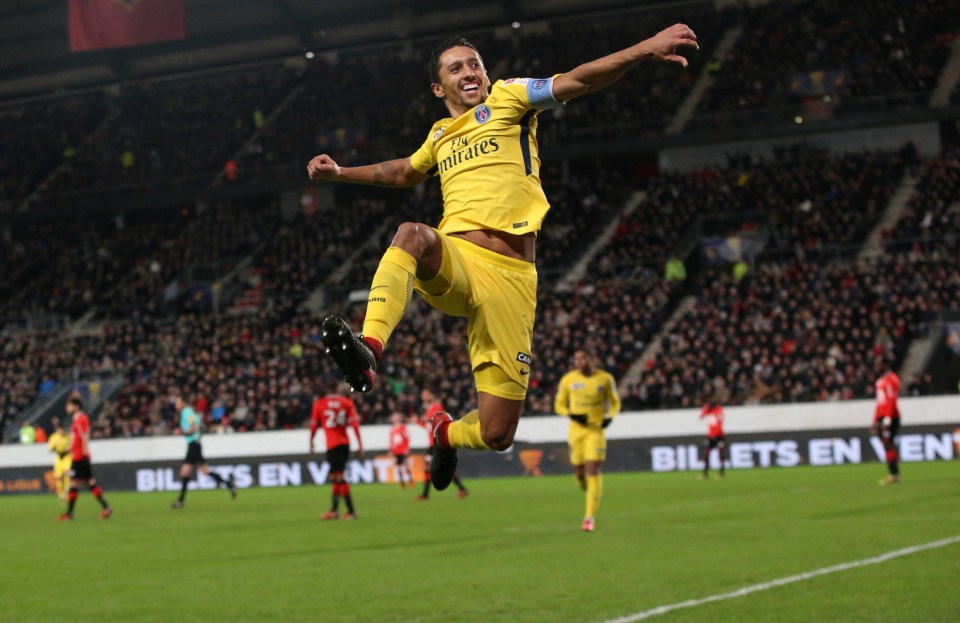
(479, 261)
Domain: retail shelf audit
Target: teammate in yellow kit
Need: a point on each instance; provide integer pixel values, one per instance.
(59, 444)
(588, 396)
(479, 261)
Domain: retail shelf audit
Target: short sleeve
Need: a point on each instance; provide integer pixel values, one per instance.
(536, 93)
(424, 159)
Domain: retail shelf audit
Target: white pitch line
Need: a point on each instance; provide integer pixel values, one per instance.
(755, 588)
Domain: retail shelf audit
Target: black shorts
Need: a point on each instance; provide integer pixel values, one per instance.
(713, 442)
(194, 454)
(337, 457)
(81, 469)
(401, 459)
(888, 433)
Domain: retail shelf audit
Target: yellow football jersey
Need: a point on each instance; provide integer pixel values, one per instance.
(488, 160)
(594, 396)
(59, 443)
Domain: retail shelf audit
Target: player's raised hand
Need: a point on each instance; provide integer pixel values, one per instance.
(323, 167)
(664, 44)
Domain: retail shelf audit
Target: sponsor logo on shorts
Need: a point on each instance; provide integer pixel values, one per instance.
(525, 358)
(482, 113)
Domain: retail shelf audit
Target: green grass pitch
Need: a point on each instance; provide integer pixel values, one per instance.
(510, 552)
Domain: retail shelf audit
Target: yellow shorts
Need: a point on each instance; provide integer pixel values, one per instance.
(586, 444)
(61, 467)
(498, 296)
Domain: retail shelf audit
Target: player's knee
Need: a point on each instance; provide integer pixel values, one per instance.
(414, 238)
(497, 436)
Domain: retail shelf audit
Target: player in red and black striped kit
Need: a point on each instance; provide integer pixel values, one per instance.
(888, 391)
(400, 449)
(429, 397)
(81, 469)
(712, 412)
(335, 413)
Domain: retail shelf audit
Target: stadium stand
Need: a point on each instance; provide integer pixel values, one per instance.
(220, 295)
(38, 136)
(125, 263)
(169, 133)
(797, 331)
(932, 222)
(870, 57)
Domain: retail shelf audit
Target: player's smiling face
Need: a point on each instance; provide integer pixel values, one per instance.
(463, 80)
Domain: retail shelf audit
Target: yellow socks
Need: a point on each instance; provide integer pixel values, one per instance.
(390, 294)
(594, 491)
(465, 433)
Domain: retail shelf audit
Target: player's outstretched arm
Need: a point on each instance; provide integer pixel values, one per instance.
(392, 173)
(604, 71)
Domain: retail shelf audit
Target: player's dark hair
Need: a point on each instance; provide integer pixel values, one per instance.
(332, 386)
(76, 401)
(433, 68)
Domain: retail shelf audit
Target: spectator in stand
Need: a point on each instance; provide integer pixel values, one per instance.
(675, 270)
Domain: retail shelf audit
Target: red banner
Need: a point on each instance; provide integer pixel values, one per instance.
(95, 24)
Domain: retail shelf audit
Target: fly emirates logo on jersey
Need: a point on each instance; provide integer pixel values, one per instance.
(462, 152)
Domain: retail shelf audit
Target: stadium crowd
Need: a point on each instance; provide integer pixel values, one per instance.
(181, 132)
(797, 331)
(874, 50)
(932, 221)
(807, 201)
(176, 132)
(789, 331)
(126, 263)
(803, 323)
(39, 136)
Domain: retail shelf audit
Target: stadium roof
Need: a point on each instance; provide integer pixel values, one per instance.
(35, 56)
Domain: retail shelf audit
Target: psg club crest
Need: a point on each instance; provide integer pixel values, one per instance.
(482, 113)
